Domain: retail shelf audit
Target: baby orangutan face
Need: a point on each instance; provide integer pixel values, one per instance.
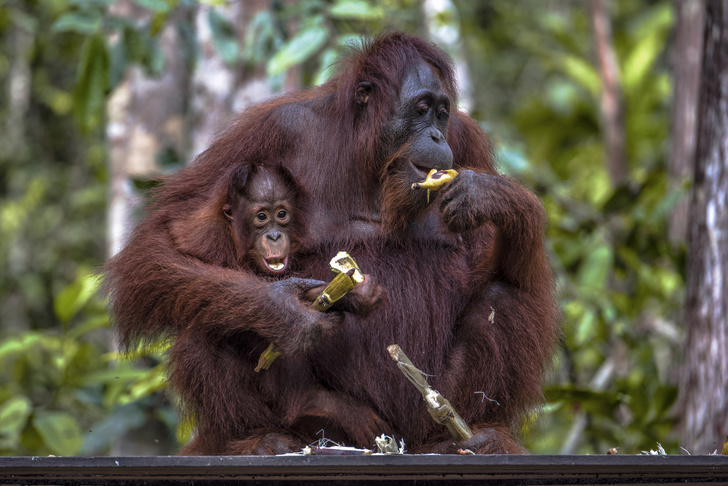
(261, 211)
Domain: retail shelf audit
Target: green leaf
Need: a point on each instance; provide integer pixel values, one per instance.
(300, 48)
(14, 415)
(91, 4)
(121, 375)
(155, 380)
(113, 426)
(60, 432)
(356, 9)
(224, 37)
(512, 160)
(154, 5)
(651, 35)
(594, 271)
(594, 401)
(351, 40)
(326, 68)
(89, 324)
(582, 72)
(89, 95)
(585, 327)
(72, 298)
(19, 345)
(135, 43)
(260, 32)
(76, 22)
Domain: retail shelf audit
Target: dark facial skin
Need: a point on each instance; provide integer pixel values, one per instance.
(263, 211)
(416, 140)
(419, 124)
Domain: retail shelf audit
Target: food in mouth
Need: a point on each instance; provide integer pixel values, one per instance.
(435, 180)
(276, 264)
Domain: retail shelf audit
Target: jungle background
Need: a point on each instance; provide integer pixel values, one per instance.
(592, 104)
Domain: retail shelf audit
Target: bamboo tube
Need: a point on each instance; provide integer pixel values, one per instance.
(438, 406)
(347, 276)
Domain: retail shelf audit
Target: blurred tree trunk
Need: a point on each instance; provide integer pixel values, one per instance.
(611, 109)
(612, 120)
(145, 118)
(221, 87)
(14, 144)
(443, 25)
(686, 61)
(21, 37)
(704, 396)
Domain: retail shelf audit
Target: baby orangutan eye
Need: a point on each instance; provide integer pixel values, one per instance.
(261, 216)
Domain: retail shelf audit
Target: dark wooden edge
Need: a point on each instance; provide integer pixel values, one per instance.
(398, 469)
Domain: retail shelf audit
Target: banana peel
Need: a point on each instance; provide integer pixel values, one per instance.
(435, 180)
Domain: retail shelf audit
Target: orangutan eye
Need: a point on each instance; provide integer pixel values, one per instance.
(422, 108)
(282, 214)
(261, 216)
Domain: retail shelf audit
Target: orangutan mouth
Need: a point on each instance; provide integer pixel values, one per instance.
(276, 265)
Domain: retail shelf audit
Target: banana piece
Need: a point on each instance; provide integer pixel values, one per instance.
(435, 180)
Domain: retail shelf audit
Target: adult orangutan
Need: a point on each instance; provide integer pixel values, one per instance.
(469, 289)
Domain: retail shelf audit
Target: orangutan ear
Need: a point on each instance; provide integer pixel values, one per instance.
(228, 212)
(362, 93)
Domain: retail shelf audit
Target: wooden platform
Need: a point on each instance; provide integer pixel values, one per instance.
(385, 470)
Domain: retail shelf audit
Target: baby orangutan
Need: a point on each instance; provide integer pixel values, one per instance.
(264, 209)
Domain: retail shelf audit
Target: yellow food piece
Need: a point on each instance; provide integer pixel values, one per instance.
(267, 357)
(436, 179)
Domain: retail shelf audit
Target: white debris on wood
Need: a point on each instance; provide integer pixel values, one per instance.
(659, 452)
(388, 445)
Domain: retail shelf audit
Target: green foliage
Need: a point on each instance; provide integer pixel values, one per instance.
(52, 179)
(224, 37)
(298, 49)
(62, 394)
(53, 335)
(621, 283)
(44, 400)
(101, 64)
(59, 431)
(327, 29)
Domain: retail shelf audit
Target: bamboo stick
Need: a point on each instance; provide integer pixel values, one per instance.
(438, 406)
